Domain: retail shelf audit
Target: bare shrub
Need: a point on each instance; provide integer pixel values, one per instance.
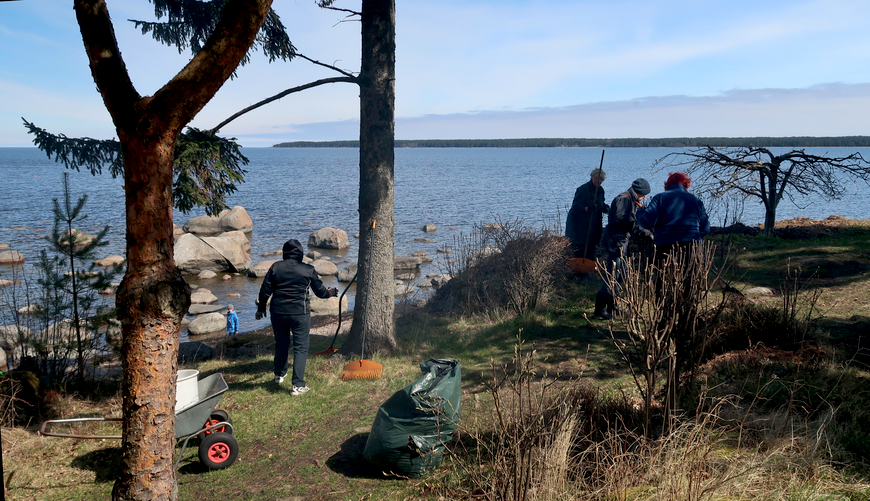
(506, 267)
(787, 323)
(526, 447)
(662, 307)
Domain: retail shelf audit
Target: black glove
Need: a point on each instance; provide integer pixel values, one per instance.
(260, 314)
(333, 292)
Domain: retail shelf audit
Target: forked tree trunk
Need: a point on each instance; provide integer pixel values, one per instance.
(151, 300)
(375, 303)
(153, 295)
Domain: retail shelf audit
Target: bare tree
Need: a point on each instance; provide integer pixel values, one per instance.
(760, 173)
(153, 295)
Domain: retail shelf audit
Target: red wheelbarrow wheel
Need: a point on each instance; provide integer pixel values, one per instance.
(218, 451)
(218, 416)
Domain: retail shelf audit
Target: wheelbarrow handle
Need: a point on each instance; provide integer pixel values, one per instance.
(42, 429)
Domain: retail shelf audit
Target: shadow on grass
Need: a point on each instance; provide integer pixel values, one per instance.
(349, 461)
(105, 463)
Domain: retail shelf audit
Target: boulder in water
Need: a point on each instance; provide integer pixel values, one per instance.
(11, 257)
(329, 238)
(207, 323)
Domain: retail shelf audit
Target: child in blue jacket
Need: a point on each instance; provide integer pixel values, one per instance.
(232, 321)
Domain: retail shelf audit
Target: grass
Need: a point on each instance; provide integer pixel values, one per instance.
(310, 447)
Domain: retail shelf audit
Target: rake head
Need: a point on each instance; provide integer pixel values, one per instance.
(362, 369)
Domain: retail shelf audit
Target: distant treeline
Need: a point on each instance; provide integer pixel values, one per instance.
(631, 142)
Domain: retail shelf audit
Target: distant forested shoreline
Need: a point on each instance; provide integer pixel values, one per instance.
(667, 142)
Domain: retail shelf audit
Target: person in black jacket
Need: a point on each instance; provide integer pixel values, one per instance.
(288, 282)
(621, 223)
(583, 225)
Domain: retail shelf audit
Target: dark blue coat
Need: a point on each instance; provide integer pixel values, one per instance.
(675, 215)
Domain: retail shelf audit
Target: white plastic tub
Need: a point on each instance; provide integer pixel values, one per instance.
(186, 389)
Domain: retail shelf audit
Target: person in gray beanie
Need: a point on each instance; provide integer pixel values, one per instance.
(621, 223)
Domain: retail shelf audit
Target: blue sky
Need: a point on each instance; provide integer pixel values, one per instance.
(489, 69)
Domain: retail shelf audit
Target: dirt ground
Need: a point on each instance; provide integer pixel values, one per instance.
(804, 227)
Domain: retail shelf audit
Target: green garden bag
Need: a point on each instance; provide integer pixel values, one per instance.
(412, 426)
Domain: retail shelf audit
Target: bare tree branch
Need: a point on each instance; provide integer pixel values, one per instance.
(280, 95)
(759, 172)
(335, 68)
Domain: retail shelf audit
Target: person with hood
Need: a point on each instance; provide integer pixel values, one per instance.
(583, 225)
(621, 223)
(288, 282)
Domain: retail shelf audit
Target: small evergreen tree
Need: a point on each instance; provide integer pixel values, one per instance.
(70, 287)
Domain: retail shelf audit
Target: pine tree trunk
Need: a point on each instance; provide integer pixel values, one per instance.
(153, 295)
(151, 300)
(375, 303)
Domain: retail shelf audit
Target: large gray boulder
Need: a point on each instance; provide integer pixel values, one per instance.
(324, 267)
(260, 269)
(235, 247)
(406, 263)
(440, 280)
(477, 255)
(227, 252)
(200, 308)
(207, 323)
(329, 238)
(346, 274)
(329, 306)
(203, 225)
(64, 331)
(202, 296)
(235, 219)
(10, 335)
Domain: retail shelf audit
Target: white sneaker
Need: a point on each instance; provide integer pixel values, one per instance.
(279, 379)
(299, 390)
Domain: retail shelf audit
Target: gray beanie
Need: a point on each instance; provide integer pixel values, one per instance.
(640, 186)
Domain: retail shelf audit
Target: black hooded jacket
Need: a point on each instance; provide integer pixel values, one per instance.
(288, 281)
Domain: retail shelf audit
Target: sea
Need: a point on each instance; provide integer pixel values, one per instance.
(292, 192)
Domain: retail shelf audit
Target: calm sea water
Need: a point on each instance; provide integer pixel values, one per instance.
(291, 192)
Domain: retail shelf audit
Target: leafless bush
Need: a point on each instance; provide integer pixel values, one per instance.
(506, 267)
(661, 306)
(784, 323)
(539, 439)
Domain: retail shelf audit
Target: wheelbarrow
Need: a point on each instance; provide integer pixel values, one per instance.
(218, 448)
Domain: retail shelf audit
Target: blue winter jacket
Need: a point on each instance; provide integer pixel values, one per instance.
(675, 215)
(232, 322)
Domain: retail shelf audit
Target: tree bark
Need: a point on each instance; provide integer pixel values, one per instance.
(153, 295)
(375, 303)
(152, 298)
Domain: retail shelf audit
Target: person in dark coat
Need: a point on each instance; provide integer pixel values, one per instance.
(583, 225)
(288, 282)
(621, 224)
